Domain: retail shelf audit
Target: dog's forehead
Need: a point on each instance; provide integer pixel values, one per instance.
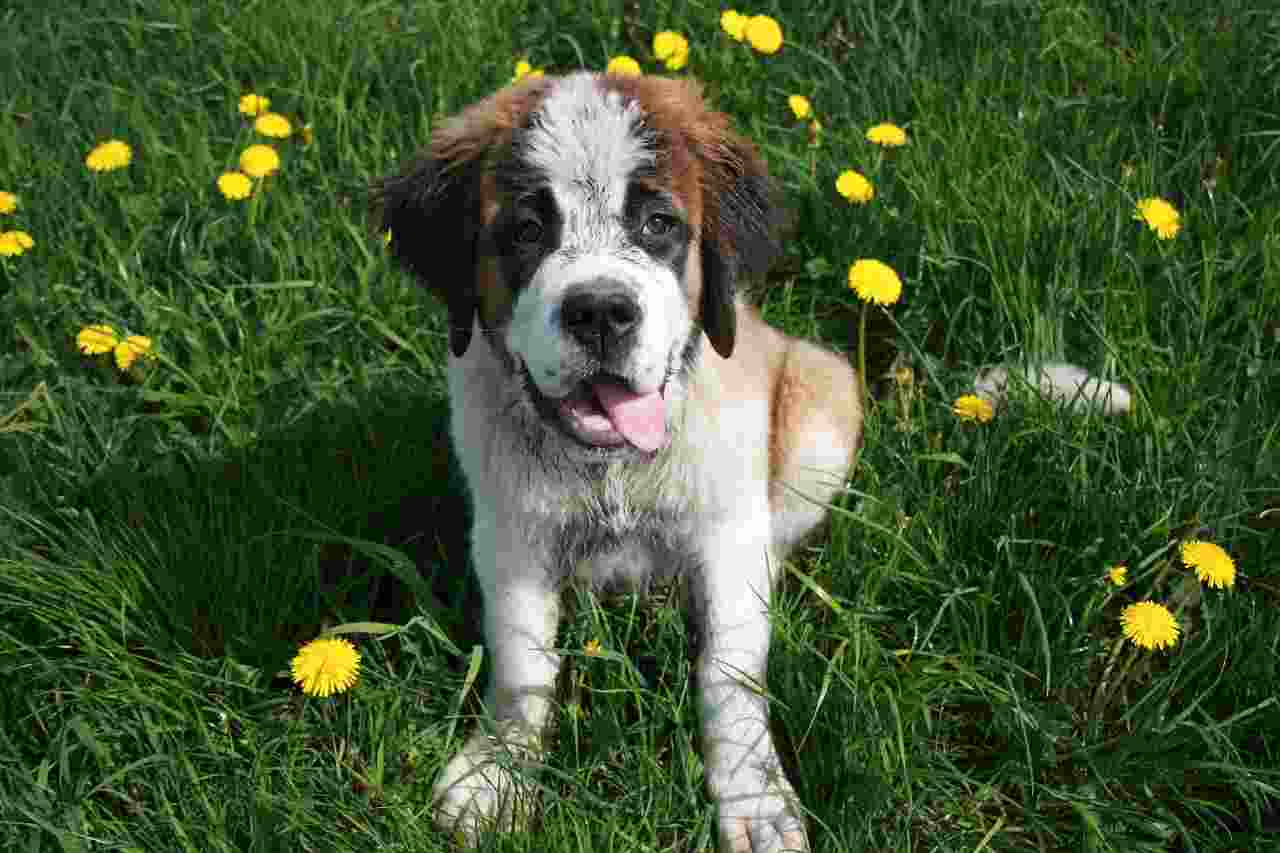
(588, 142)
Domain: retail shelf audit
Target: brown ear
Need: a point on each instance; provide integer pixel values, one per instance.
(738, 235)
(432, 208)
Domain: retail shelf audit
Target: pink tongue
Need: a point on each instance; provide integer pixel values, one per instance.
(641, 418)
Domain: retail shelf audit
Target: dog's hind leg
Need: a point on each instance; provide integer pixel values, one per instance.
(815, 434)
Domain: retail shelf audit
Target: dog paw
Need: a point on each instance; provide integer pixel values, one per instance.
(477, 792)
(764, 818)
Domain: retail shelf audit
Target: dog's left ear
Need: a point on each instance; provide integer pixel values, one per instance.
(739, 232)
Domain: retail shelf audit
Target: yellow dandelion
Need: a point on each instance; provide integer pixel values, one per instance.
(800, 106)
(671, 49)
(1149, 625)
(624, 65)
(326, 666)
(274, 125)
(1160, 216)
(1118, 575)
(855, 187)
(252, 105)
(524, 69)
(95, 340)
(591, 648)
(1213, 566)
(14, 243)
(764, 34)
(258, 161)
(874, 281)
(734, 23)
(8, 202)
(888, 135)
(131, 349)
(235, 185)
(109, 156)
(971, 407)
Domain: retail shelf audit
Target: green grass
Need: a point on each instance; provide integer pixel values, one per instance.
(945, 672)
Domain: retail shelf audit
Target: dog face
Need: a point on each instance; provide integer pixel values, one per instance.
(594, 228)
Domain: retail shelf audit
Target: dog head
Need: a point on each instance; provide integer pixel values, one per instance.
(593, 227)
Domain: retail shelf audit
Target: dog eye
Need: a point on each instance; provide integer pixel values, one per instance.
(658, 225)
(528, 231)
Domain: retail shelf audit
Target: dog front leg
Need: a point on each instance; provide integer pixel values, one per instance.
(758, 812)
(478, 789)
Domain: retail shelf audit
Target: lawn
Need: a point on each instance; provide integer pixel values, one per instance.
(257, 450)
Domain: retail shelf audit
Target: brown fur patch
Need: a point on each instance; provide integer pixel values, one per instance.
(487, 126)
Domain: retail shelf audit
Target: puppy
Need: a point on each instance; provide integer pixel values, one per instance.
(619, 414)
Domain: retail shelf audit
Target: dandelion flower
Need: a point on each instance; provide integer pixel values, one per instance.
(252, 105)
(524, 69)
(800, 106)
(875, 281)
(591, 648)
(326, 666)
(258, 161)
(235, 185)
(1118, 575)
(1213, 566)
(14, 243)
(971, 407)
(855, 187)
(888, 135)
(1149, 625)
(274, 125)
(1160, 216)
(109, 156)
(623, 65)
(95, 340)
(8, 202)
(671, 49)
(764, 34)
(734, 23)
(131, 349)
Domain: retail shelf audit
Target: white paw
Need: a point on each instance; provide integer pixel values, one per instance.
(477, 791)
(760, 816)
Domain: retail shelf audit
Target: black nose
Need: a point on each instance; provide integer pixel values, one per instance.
(601, 316)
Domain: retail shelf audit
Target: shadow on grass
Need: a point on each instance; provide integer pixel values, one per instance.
(356, 513)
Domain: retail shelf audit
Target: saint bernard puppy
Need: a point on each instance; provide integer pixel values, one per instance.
(619, 413)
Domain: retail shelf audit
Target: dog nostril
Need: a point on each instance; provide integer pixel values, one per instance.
(591, 315)
(622, 316)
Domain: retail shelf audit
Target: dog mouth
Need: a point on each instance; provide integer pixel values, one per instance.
(603, 411)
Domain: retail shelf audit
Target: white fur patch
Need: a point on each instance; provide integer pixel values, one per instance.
(587, 141)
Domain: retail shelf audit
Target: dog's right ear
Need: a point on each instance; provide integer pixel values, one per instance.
(433, 208)
(429, 210)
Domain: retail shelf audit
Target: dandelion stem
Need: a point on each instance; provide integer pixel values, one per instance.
(862, 357)
(253, 203)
